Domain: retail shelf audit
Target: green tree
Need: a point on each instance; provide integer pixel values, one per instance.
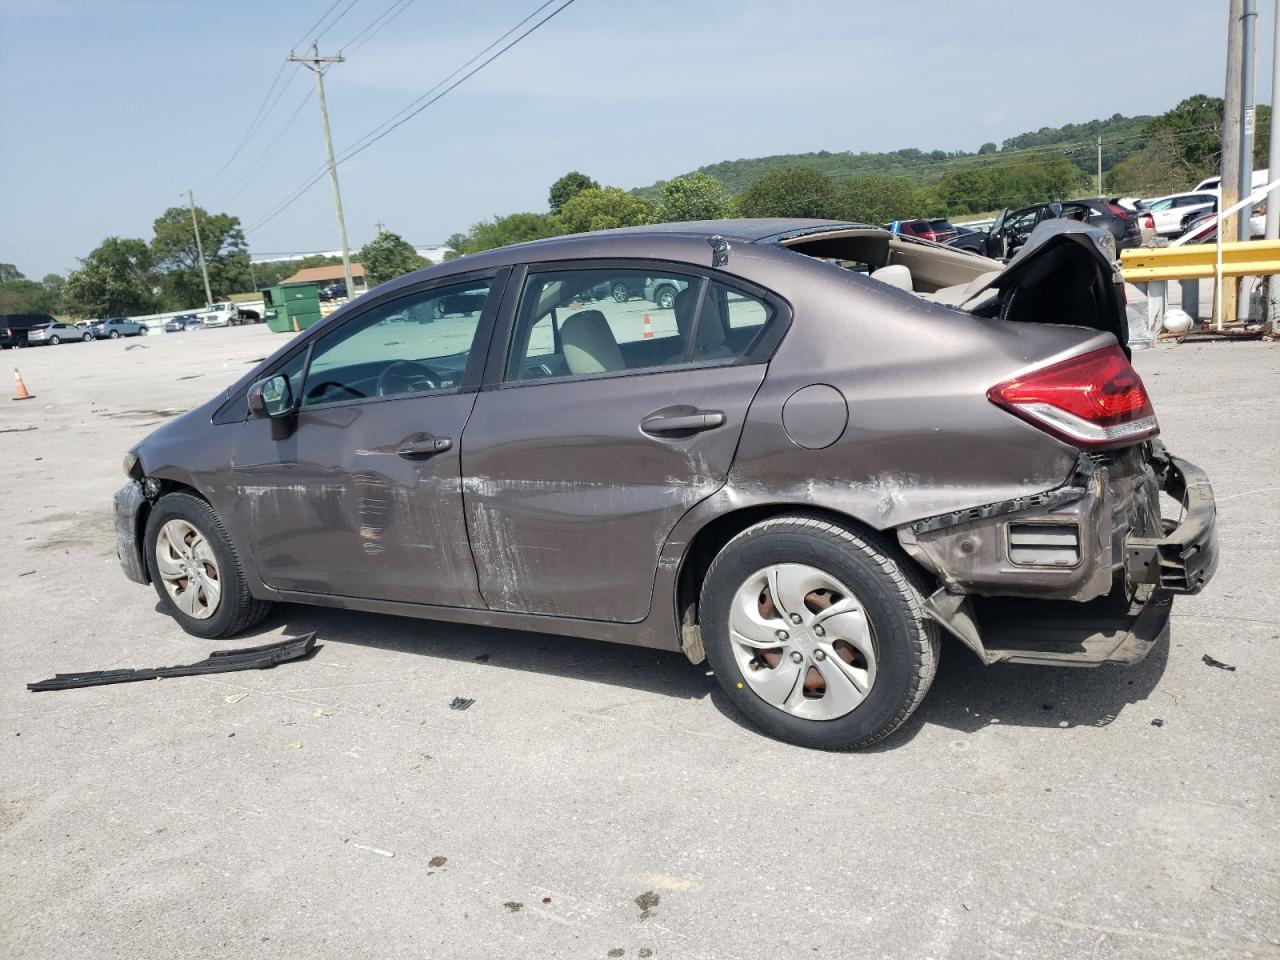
(387, 256)
(116, 279)
(790, 192)
(1009, 183)
(986, 148)
(1156, 169)
(174, 250)
(568, 187)
(52, 285)
(20, 295)
(877, 199)
(1194, 126)
(698, 196)
(601, 209)
(504, 231)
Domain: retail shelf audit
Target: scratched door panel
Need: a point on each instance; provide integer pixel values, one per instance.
(335, 509)
(568, 501)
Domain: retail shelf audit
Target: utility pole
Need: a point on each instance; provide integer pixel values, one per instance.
(1099, 165)
(1273, 201)
(1229, 189)
(315, 63)
(379, 225)
(204, 270)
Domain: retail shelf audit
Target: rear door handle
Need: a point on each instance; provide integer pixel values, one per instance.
(418, 449)
(684, 424)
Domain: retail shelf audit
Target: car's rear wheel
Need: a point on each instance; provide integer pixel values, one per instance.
(621, 293)
(115, 334)
(142, 332)
(55, 340)
(196, 570)
(817, 632)
(87, 337)
(666, 298)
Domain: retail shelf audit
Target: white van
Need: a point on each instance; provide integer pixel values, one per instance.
(1260, 179)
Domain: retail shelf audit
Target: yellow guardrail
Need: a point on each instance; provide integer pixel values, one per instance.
(1251, 258)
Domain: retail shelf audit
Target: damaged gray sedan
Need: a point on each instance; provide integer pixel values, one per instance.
(838, 446)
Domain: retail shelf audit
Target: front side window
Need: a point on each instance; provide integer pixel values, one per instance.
(419, 344)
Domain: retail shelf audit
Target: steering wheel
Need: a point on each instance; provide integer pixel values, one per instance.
(406, 376)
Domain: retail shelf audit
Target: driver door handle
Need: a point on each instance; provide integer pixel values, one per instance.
(417, 449)
(691, 423)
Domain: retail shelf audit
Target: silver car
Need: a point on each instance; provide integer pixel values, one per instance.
(55, 333)
(117, 327)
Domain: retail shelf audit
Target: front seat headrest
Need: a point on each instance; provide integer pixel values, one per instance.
(589, 344)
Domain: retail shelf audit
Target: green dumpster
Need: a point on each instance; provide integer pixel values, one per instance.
(292, 307)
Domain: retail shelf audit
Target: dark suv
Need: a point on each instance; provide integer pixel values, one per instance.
(1010, 231)
(14, 327)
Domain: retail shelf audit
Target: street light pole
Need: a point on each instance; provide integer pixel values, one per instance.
(315, 63)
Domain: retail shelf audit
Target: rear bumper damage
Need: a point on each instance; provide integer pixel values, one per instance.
(1081, 575)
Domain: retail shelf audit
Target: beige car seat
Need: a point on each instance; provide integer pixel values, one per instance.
(589, 344)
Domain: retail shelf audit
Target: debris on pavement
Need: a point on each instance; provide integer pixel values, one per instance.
(1210, 661)
(515, 906)
(646, 902)
(26, 573)
(18, 429)
(296, 745)
(461, 703)
(236, 697)
(1157, 722)
(220, 661)
(437, 861)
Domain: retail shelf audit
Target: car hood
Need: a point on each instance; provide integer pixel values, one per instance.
(1066, 272)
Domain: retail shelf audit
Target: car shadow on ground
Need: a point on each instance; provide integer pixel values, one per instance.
(965, 695)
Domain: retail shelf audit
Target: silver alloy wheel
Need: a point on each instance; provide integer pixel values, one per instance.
(803, 641)
(188, 569)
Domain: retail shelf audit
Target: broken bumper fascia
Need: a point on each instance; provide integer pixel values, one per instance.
(1186, 557)
(129, 502)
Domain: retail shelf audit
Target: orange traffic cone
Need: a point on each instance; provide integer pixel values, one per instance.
(20, 388)
(648, 328)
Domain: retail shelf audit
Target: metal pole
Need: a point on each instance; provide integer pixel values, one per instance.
(1099, 165)
(1273, 201)
(1248, 45)
(315, 63)
(204, 271)
(1229, 191)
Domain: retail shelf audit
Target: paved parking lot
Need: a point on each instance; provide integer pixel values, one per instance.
(601, 801)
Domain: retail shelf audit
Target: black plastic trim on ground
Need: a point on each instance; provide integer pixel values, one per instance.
(220, 661)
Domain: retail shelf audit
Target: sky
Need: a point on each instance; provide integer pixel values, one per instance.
(113, 109)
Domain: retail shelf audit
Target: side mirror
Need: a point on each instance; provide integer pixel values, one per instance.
(272, 397)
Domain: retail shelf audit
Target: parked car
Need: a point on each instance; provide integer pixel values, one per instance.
(938, 229)
(662, 291)
(1202, 227)
(183, 322)
(1172, 211)
(15, 326)
(333, 291)
(116, 327)
(1010, 231)
(806, 519)
(1260, 178)
(54, 332)
(246, 316)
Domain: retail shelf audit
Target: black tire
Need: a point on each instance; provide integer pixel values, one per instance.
(891, 592)
(620, 292)
(115, 334)
(142, 332)
(87, 337)
(237, 609)
(55, 340)
(665, 298)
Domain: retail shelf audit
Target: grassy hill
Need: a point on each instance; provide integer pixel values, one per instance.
(1075, 141)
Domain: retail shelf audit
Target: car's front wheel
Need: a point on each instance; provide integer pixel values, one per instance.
(666, 298)
(115, 334)
(142, 332)
(817, 632)
(55, 340)
(196, 570)
(87, 337)
(621, 293)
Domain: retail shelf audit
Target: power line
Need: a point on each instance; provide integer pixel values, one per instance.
(257, 165)
(332, 23)
(322, 19)
(360, 39)
(417, 106)
(253, 125)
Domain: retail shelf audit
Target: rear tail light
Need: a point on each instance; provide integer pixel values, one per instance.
(1094, 400)
(1118, 210)
(1149, 221)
